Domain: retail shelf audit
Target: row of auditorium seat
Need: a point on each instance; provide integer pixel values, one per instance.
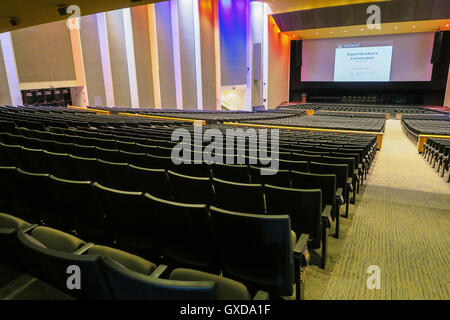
(329, 122)
(437, 151)
(105, 272)
(82, 162)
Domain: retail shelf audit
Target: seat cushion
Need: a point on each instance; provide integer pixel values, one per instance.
(226, 289)
(126, 259)
(57, 240)
(10, 222)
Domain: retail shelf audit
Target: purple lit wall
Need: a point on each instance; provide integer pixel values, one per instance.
(233, 41)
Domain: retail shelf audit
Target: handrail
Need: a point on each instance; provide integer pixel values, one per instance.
(378, 134)
(203, 122)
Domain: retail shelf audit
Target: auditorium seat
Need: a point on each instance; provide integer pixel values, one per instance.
(239, 196)
(153, 181)
(113, 174)
(342, 180)
(193, 190)
(184, 234)
(327, 184)
(279, 178)
(9, 225)
(304, 207)
(261, 251)
(46, 206)
(82, 208)
(131, 220)
(294, 165)
(235, 173)
(85, 168)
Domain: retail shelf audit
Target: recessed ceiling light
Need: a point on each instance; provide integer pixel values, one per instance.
(446, 25)
(345, 30)
(317, 33)
(395, 27)
(331, 32)
(362, 29)
(414, 27)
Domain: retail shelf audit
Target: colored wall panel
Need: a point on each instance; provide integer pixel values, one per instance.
(187, 53)
(165, 54)
(208, 54)
(279, 56)
(142, 50)
(5, 97)
(90, 44)
(118, 56)
(233, 41)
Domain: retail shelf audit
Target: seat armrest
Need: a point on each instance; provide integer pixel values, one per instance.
(350, 183)
(30, 228)
(261, 295)
(83, 249)
(326, 216)
(159, 271)
(339, 196)
(360, 165)
(301, 250)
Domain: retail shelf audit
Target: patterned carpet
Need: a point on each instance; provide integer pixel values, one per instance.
(402, 225)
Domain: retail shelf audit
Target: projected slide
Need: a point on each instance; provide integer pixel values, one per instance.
(363, 64)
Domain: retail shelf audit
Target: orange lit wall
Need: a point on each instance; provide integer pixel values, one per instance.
(279, 60)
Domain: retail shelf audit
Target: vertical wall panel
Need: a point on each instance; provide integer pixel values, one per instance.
(118, 56)
(257, 37)
(90, 44)
(5, 97)
(187, 53)
(279, 61)
(233, 41)
(44, 53)
(207, 40)
(143, 54)
(165, 55)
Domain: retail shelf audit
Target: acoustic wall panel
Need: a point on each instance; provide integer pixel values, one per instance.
(118, 56)
(233, 41)
(279, 56)
(143, 54)
(165, 54)
(187, 53)
(90, 45)
(44, 53)
(208, 54)
(5, 96)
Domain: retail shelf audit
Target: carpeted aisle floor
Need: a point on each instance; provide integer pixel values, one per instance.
(402, 225)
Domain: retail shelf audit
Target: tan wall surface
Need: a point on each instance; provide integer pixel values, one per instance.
(44, 53)
(92, 59)
(5, 97)
(143, 54)
(118, 56)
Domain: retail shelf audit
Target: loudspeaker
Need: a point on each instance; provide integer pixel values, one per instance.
(437, 47)
(299, 55)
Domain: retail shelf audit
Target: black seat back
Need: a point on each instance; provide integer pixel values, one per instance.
(256, 249)
(194, 190)
(303, 206)
(324, 182)
(185, 234)
(235, 196)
